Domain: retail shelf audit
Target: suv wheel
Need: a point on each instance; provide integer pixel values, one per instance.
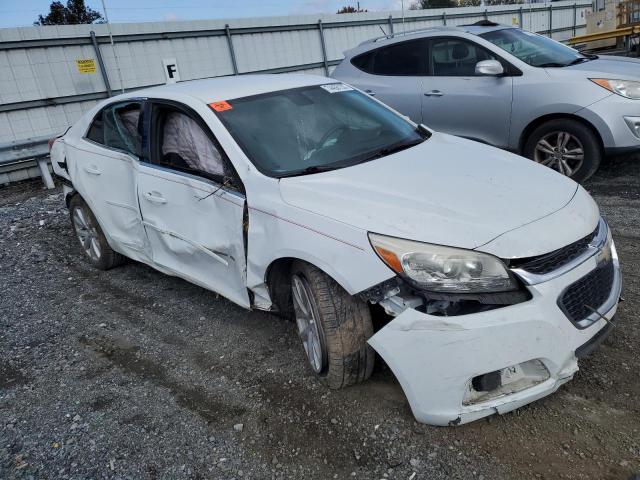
(333, 326)
(567, 146)
(92, 240)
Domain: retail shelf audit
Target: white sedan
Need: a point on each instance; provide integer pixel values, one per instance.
(490, 275)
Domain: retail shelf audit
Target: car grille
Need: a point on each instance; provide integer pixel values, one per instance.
(547, 263)
(592, 290)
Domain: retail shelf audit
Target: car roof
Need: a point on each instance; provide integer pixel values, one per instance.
(477, 28)
(225, 88)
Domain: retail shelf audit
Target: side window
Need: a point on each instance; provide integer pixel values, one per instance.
(363, 61)
(454, 57)
(96, 131)
(401, 59)
(116, 126)
(184, 145)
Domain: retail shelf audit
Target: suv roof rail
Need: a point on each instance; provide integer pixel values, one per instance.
(408, 32)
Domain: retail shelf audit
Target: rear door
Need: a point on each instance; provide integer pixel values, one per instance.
(457, 101)
(102, 167)
(392, 75)
(192, 202)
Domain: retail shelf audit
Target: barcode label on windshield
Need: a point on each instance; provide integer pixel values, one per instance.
(336, 87)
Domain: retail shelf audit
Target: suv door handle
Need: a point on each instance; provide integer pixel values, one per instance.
(433, 93)
(92, 169)
(155, 197)
(370, 92)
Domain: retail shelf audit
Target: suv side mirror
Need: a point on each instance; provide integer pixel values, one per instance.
(489, 67)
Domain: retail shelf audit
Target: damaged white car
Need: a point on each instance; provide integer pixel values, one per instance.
(488, 275)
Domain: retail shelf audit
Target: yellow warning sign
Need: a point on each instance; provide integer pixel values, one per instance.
(86, 65)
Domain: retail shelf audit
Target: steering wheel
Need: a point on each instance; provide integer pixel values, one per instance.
(330, 133)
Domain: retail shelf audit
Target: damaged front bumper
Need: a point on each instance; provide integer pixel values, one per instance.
(457, 369)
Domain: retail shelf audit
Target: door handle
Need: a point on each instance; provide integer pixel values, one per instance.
(433, 93)
(92, 169)
(371, 92)
(155, 197)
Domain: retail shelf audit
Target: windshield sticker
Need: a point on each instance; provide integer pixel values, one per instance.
(336, 87)
(221, 106)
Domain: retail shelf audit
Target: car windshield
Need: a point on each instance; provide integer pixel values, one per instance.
(534, 49)
(314, 129)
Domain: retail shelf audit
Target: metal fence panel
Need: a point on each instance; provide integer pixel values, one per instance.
(42, 91)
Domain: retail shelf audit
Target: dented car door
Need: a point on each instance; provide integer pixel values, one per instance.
(192, 215)
(102, 165)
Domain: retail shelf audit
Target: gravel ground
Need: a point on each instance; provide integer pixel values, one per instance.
(134, 374)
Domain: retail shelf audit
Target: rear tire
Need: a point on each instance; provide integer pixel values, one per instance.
(92, 240)
(567, 146)
(342, 326)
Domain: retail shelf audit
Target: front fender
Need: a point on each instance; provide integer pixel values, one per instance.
(341, 251)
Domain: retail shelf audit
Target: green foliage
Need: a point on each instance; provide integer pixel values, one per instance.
(425, 4)
(74, 13)
(350, 9)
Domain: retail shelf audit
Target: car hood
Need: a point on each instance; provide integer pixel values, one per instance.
(447, 191)
(605, 66)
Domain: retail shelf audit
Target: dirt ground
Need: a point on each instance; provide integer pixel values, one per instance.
(131, 374)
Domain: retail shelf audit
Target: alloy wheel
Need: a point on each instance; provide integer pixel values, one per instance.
(307, 320)
(86, 233)
(561, 151)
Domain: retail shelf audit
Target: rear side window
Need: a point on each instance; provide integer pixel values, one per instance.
(401, 59)
(116, 126)
(455, 57)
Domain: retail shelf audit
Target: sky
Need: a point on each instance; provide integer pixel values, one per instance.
(20, 13)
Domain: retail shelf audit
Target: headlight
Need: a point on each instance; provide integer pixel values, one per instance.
(625, 88)
(443, 269)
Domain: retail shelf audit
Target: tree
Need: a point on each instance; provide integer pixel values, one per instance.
(350, 9)
(74, 13)
(425, 4)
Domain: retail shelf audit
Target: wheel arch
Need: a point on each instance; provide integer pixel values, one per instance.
(278, 280)
(69, 196)
(528, 130)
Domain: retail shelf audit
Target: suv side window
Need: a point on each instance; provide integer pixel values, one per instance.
(456, 57)
(116, 126)
(400, 59)
(182, 142)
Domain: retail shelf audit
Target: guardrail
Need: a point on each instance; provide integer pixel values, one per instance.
(20, 153)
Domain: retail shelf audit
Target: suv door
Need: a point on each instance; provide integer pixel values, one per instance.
(392, 75)
(103, 168)
(192, 203)
(457, 101)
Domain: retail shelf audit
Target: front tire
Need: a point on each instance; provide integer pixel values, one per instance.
(333, 326)
(567, 146)
(92, 240)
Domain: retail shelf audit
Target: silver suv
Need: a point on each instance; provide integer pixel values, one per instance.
(507, 87)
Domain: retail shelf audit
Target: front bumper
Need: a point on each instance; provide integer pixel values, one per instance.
(610, 116)
(435, 358)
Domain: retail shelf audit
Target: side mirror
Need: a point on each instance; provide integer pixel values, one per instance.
(491, 68)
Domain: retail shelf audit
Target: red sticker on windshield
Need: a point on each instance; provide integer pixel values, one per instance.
(221, 106)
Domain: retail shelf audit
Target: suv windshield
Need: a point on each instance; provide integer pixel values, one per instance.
(314, 129)
(534, 49)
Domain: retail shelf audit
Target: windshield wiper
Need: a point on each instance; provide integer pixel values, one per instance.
(310, 170)
(383, 152)
(575, 61)
(578, 60)
(552, 65)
